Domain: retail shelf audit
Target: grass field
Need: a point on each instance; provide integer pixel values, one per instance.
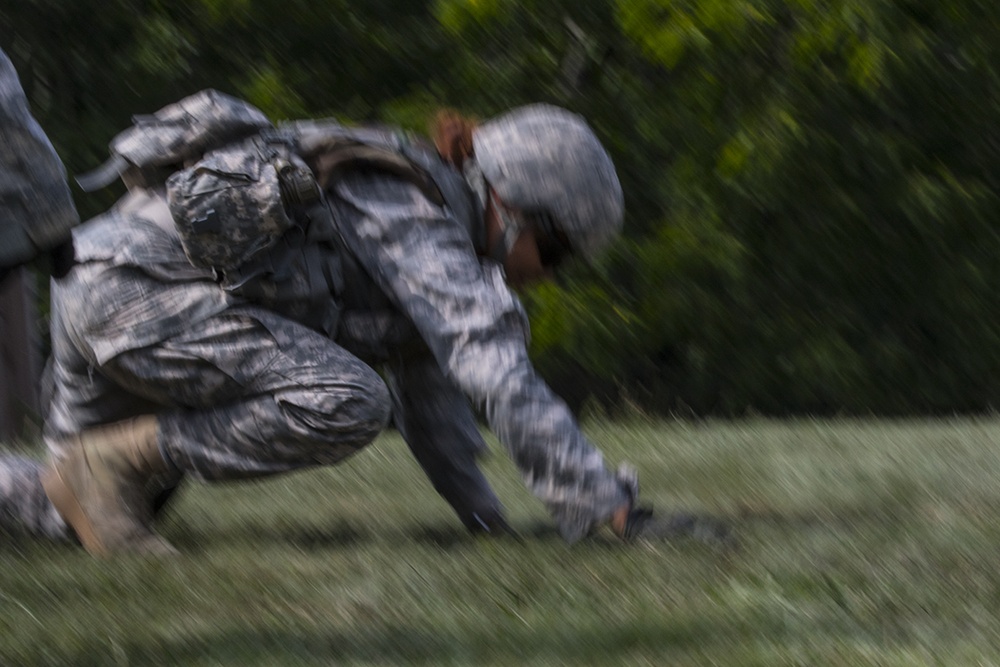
(861, 543)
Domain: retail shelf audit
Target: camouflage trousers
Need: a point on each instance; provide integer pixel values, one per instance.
(244, 393)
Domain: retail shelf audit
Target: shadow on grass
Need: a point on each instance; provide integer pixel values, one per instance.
(897, 505)
(445, 536)
(346, 535)
(340, 535)
(885, 513)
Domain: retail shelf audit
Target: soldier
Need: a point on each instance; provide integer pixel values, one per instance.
(164, 369)
(36, 214)
(36, 208)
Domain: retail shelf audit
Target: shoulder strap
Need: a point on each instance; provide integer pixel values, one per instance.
(332, 149)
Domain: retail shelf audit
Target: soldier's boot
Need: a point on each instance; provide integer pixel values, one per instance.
(100, 485)
(24, 508)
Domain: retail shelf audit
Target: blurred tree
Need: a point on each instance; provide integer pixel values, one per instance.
(811, 185)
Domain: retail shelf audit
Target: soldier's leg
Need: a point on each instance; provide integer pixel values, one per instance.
(254, 394)
(243, 393)
(76, 396)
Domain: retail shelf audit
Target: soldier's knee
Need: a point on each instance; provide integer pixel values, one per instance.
(348, 413)
(371, 409)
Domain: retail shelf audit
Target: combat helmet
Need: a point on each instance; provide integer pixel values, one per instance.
(544, 159)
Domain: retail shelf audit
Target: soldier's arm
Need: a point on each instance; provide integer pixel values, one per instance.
(424, 260)
(440, 428)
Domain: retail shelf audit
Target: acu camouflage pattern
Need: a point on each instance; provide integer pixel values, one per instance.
(423, 260)
(140, 281)
(187, 129)
(544, 158)
(239, 394)
(229, 205)
(242, 391)
(36, 208)
(175, 134)
(253, 213)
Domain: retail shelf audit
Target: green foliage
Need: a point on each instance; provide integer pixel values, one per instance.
(268, 90)
(842, 146)
(457, 16)
(588, 320)
(811, 185)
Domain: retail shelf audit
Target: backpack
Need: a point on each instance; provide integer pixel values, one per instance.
(235, 183)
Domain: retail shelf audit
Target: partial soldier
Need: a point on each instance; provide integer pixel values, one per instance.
(179, 357)
(36, 208)
(37, 215)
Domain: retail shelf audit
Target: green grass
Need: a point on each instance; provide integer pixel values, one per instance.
(862, 543)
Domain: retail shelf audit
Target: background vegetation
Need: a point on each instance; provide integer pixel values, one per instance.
(811, 184)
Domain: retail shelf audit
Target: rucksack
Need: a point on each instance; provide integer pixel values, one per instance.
(235, 183)
(158, 144)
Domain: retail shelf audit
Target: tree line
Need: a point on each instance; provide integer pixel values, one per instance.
(811, 185)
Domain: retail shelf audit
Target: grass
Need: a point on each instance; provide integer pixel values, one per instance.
(861, 543)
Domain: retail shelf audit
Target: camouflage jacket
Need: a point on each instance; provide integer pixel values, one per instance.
(428, 266)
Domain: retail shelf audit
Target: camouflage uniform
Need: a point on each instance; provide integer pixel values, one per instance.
(425, 262)
(36, 212)
(241, 391)
(36, 209)
(246, 391)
